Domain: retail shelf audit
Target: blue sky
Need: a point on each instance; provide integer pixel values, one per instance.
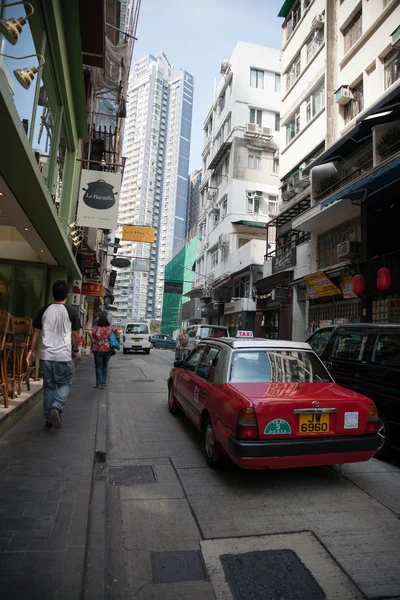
(197, 35)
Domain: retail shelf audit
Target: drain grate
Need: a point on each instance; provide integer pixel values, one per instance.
(143, 380)
(131, 475)
(270, 575)
(185, 565)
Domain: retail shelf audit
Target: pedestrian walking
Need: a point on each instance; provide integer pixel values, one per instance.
(101, 348)
(59, 325)
(182, 342)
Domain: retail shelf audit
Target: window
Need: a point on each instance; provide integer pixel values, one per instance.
(328, 243)
(356, 105)
(254, 159)
(315, 102)
(272, 205)
(349, 345)
(278, 366)
(256, 116)
(256, 78)
(352, 32)
(314, 42)
(194, 358)
(208, 363)
(293, 19)
(293, 72)
(241, 287)
(275, 166)
(277, 122)
(242, 242)
(320, 340)
(253, 204)
(214, 258)
(387, 350)
(293, 126)
(391, 67)
(202, 231)
(277, 83)
(138, 328)
(224, 208)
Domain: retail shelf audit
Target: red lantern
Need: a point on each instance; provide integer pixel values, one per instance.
(383, 279)
(358, 284)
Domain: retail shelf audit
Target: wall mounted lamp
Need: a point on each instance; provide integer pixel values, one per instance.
(11, 28)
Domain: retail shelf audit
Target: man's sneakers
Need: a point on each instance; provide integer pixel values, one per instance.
(55, 416)
(48, 424)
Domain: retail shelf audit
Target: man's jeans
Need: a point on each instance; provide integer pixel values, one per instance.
(100, 362)
(57, 381)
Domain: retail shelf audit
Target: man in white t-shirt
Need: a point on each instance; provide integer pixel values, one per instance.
(59, 325)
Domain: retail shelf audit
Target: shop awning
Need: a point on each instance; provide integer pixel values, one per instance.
(326, 217)
(269, 283)
(290, 213)
(286, 6)
(218, 157)
(251, 224)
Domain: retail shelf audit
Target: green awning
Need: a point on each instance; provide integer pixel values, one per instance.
(250, 223)
(286, 6)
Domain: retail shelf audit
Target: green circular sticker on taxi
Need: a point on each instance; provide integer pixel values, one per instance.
(277, 427)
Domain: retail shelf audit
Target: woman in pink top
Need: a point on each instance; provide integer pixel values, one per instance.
(100, 336)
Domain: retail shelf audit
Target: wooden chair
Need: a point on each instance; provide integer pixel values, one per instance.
(7, 356)
(22, 331)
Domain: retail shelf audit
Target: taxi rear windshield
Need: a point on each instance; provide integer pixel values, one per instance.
(277, 366)
(137, 328)
(213, 332)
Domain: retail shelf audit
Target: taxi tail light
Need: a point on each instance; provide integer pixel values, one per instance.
(373, 420)
(247, 428)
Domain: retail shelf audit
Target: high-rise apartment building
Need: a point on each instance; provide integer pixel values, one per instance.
(154, 191)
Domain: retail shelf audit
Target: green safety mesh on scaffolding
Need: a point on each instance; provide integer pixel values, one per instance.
(180, 268)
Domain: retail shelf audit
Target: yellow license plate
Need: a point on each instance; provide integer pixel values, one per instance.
(137, 341)
(314, 423)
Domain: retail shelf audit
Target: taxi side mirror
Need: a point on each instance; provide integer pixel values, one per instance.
(179, 363)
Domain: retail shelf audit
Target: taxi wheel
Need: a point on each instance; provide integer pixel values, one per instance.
(213, 459)
(384, 434)
(172, 406)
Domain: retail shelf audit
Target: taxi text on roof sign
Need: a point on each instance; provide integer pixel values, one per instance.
(248, 334)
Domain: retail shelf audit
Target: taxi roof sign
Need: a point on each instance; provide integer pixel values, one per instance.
(242, 333)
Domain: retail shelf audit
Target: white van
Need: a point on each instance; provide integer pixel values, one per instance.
(199, 332)
(136, 337)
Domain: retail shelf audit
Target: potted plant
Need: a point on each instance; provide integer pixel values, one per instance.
(389, 142)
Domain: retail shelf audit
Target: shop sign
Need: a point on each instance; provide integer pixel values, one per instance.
(284, 261)
(321, 284)
(229, 308)
(133, 233)
(347, 287)
(142, 265)
(92, 288)
(76, 292)
(173, 287)
(99, 199)
(244, 334)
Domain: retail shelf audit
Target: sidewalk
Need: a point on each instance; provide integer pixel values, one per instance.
(45, 483)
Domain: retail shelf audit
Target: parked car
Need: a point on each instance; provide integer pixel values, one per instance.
(271, 404)
(199, 332)
(366, 358)
(136, 337)
(161, 340)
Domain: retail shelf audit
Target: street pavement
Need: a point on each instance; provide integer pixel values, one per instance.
(163, 499)
(45, 485)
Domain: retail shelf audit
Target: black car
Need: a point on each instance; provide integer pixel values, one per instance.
(366, 358)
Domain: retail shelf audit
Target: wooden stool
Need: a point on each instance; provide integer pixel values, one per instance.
(7, 356)
(22, 331)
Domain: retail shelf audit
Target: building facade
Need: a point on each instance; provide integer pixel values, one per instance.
(239, 188)
(154, 193)
(194, 199)
(339, 151)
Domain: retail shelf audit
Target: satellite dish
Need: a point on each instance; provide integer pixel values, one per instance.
(121, 263)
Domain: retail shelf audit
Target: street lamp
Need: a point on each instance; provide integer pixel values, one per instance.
(11, 28)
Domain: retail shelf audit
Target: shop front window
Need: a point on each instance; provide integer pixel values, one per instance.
(271, 324)
(22, 288)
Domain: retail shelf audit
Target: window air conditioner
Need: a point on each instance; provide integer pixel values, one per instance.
(266, 131)
(343, 95)
(252, 128)
(348, 249)
(317, 22)
(223, 239)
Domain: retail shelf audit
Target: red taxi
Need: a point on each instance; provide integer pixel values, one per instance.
(271, 404)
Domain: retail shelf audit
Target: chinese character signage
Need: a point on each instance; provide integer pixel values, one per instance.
(76, 292)
(92, 288)
(321, 284)
(133, 233)
(99, 199)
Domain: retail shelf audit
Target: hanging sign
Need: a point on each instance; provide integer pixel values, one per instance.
(92, 288)
(99, 199)
(135, 233)
(322, 285)
(142, 265)
(76, 292)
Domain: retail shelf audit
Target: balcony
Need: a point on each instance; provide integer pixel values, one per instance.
(294, 257)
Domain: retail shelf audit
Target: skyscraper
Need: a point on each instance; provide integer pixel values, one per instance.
(154, 190)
